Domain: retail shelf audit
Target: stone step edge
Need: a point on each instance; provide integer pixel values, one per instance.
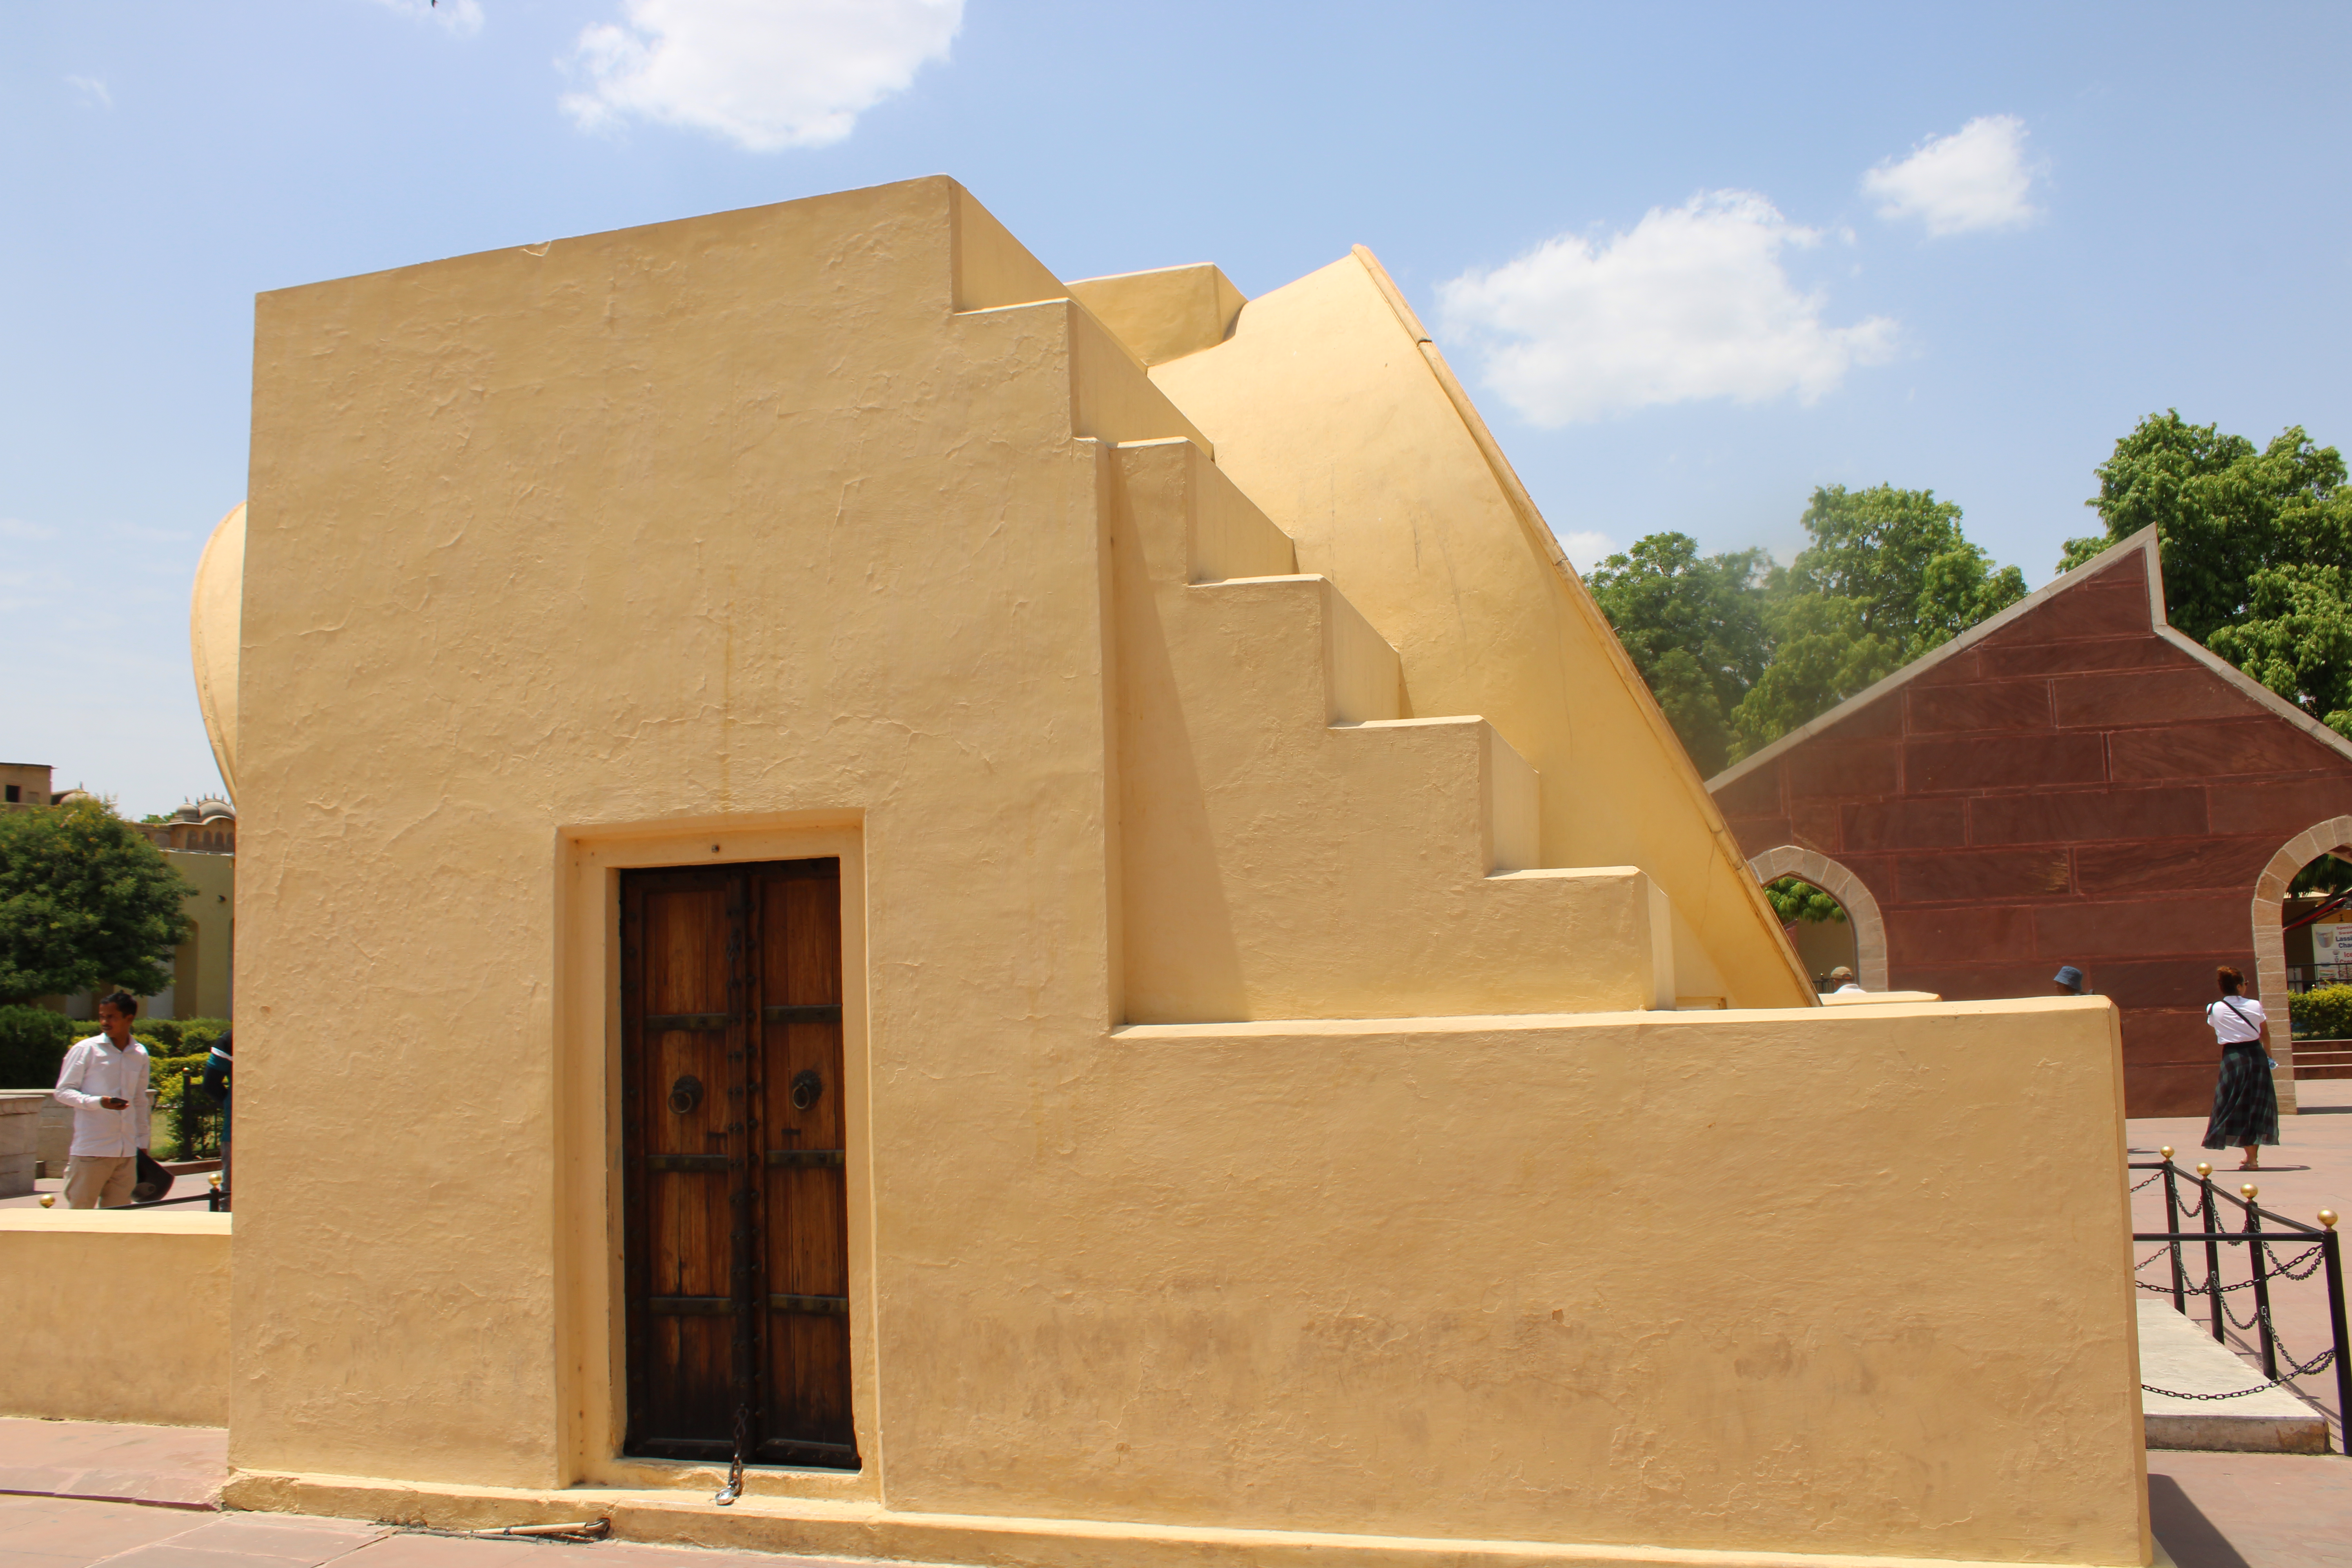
(868, 1531)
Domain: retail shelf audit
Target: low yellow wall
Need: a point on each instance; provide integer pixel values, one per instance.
(115, 1315)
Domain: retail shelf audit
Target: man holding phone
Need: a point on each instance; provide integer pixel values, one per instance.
(104, 1078)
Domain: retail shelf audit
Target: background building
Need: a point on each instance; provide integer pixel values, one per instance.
(2070, 782)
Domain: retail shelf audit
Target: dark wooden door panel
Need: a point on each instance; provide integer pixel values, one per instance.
(732, 1079)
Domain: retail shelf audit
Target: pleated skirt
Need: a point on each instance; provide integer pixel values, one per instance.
(2245, 1101)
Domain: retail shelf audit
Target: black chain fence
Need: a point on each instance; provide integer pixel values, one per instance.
(2195, 1222)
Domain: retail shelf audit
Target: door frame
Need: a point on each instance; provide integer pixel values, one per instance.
(589, 1206)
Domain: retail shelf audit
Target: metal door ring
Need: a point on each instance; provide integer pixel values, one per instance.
(686, 1094)
(806, 1087)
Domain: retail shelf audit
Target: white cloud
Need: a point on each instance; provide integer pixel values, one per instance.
(93, 92)
(463, 17)
(763, 74)
(17, 528)
(1975, 178)
(1587, 549)
(1692, 303)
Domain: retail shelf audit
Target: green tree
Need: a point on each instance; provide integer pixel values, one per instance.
(1794, 900)
(1899, 556)
(1888, 576)
(1693, 626)
(85, 901)
(1823, 652)
(2257, 550)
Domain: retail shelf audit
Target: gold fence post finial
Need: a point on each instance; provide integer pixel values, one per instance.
(2165, 1151)
(2250, 1191)
(2203, 1169)
(2327, 1219)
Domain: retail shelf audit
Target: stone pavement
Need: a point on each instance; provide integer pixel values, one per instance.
(57, 1532)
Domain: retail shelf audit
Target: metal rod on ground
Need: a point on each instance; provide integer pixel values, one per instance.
(586, 1529)
(2261, 1282)
(2172, 1222)
(2334, 1263)
(2212, 1253)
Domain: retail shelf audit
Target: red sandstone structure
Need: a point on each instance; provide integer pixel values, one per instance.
(2071, 782)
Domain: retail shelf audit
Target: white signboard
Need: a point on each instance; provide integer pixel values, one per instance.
(2331, 953)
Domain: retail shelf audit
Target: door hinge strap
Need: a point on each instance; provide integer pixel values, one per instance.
(691, 1306)
(832, 1157)
(819, 1306)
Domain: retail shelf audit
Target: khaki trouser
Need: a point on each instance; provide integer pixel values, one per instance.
(100, 1181)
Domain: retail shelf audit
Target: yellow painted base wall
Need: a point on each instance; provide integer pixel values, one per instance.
(115, 1315)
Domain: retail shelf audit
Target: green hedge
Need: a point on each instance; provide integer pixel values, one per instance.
(33, 1045)
(2323, 1013)
(34, 1042)
(178, 1037)
(175, 1082)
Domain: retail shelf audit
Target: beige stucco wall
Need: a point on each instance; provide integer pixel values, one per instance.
(825, 529)
(115, 1315)
(201, 971)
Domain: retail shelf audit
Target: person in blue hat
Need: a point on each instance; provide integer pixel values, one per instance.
(2069, 981)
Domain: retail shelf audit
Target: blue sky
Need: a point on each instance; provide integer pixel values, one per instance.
(1692, 260)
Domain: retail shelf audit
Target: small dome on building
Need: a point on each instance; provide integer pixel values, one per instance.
(186, 812)
(73, 795)
(212, 808)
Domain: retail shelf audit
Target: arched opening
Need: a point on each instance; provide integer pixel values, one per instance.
(1818, 927)
(1862, 926)
(2287, 911)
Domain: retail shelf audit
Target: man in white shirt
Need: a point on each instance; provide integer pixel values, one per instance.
(104, 1078)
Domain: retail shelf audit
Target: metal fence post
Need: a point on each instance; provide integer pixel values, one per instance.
(2213, 1252)
(2262, 1280)
(2334, 1263)
(2172, 1222)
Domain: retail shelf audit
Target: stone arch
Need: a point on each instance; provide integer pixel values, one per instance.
(1869, 926)
(1847, 889)
(2331, 836)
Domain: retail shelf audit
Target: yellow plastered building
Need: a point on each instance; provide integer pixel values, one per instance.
(1097, 814)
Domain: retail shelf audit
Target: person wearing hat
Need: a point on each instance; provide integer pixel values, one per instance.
(2068, 982)
(1841, 981)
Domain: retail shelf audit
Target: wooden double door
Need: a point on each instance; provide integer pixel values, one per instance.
(733, 1159)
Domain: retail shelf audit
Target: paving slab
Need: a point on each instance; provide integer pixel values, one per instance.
(175, 1467)
(2251, 1511)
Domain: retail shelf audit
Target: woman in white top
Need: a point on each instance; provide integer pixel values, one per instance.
(2245, 1101)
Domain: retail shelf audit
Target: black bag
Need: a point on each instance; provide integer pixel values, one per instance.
(154, 1181)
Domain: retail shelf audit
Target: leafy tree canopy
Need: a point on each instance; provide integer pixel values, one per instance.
(2325, 875)
(1901, 559)
(1795, 900)
(1740, 652)
(85, 901)
(1823, 652)
(2257, 550)
(1693, 626)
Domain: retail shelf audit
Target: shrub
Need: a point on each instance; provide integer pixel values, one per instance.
(2323, 1013)
(179, 1036)
(181, 1103)
(33, 1045)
